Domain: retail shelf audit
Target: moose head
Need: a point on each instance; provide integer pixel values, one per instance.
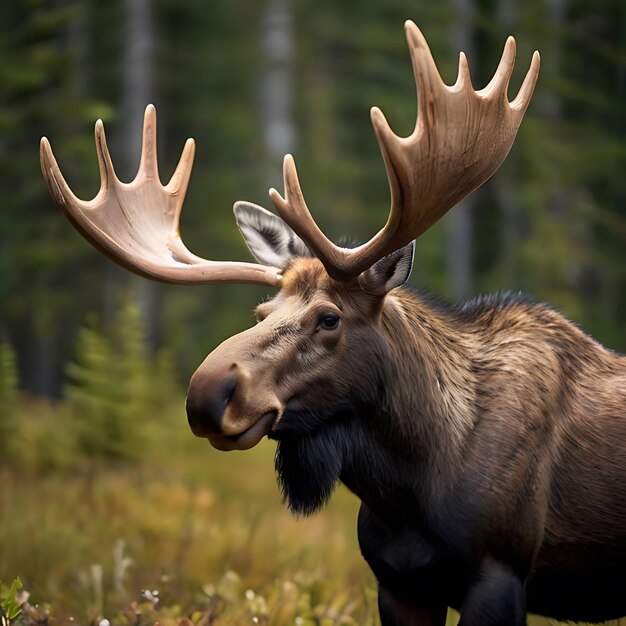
(329, 303)
(486, 442)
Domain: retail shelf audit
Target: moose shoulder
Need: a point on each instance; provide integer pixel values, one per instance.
(487, 442)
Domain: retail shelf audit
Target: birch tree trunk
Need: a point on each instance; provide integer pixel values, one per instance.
(277, 85)
(138, 91)
(458, 222)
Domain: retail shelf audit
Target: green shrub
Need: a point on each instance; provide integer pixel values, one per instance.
(116, 388)
(9, 425)
(10, 608)
(107, 392)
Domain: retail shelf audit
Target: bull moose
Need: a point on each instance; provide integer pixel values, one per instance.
(486, 441)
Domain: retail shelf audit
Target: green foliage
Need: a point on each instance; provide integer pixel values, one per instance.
(9, 425)
(10, 608)
(89, 393)
(46, 442)
(116, 387)
(110, 387)
(40, 79)
(551, 222)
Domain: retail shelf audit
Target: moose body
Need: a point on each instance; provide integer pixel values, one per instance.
(498, 444)
(487, 443)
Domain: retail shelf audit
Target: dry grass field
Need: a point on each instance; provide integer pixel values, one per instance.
(186, 535)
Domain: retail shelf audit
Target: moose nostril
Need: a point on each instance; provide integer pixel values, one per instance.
(206, 404)
(227, 390)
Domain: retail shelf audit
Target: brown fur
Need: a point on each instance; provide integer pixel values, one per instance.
(513, 407)
(500, 356)
(491, 435)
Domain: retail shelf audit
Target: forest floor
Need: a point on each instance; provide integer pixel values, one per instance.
(187, 536)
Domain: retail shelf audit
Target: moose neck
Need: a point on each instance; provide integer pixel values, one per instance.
(430, 385)
(428, 399)
(385, 444)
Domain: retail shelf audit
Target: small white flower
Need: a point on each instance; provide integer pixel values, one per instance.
(104, 622)
(150, 596)
(249, 594)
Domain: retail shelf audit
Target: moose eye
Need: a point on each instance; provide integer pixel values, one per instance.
(329, 321)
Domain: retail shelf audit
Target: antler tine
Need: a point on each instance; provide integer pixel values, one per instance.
(59, 189)
(500, 81)
(294, 211)
(148, 165)
(136, 224)
(180, 178)
(427, 78)
(463, 79)
(107, 172)
(460, 139)
(179, 181)
(522, 100)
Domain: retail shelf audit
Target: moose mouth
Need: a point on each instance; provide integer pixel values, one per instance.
(246, 439)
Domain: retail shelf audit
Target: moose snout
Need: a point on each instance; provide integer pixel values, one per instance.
(232, 399)
(207, 398)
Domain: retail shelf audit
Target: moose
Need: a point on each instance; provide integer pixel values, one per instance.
(486, 441)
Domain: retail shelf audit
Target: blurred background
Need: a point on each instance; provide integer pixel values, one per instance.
(96, 459)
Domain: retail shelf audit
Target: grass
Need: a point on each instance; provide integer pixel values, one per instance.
(205, 529)
(187, 536)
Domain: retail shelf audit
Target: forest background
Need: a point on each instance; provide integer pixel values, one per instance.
(94, 361)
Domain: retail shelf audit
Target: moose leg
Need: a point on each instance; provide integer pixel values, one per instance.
(396, 612)
(496, 597)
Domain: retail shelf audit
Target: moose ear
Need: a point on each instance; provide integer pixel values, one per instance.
(390, 272)
(269, 239)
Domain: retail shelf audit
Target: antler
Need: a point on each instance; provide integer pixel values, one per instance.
(136, 224)
(460, 139)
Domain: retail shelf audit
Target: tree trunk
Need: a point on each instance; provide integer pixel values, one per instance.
(458, 222)
(511, 212)
(138, 91)
(277, 84)
(552, 58)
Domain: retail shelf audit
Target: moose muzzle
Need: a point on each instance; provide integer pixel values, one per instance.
(231, 401)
